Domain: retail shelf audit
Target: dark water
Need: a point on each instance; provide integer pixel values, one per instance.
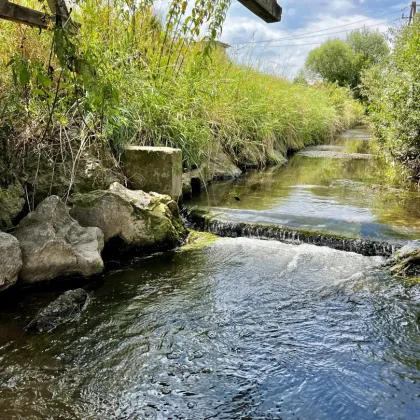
(240, 329)
(351, 197)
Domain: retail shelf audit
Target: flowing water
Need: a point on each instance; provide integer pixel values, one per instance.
(319, 191)
(237, 329)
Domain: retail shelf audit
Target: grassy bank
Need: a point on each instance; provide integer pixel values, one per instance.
(128, 78)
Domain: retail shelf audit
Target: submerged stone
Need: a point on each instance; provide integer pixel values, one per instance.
(157, 169)
(54, 245)
(10, 260)
(333, 154)
(137, 218)
(65, 308)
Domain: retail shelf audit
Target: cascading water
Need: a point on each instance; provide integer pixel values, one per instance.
(239, 328)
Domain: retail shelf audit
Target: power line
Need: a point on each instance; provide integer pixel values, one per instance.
(311, 36)
(324, 30)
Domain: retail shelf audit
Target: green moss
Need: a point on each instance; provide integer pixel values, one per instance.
(197, 240)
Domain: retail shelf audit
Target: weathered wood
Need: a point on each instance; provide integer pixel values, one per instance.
(20, 14)
(268, 10)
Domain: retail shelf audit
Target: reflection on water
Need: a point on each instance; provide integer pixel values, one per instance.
(240, 329)
(345, 196)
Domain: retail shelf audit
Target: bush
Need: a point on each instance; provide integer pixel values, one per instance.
(393, 91)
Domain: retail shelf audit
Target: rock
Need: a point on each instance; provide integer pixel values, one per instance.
(137, 218)
(219, 167)
(186, 185)
(65, 308)
(53, 244)
(10, 260)
(157, 169)
(11, 204)
(407, 250)
(406, 261)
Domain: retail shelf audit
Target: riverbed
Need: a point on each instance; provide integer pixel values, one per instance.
(239, 328)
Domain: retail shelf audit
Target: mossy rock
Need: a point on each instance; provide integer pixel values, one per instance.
(11, 204)
(136, 218)
(197, 240)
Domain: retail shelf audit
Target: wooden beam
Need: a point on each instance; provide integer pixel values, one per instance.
(268, 10)
(20, 14)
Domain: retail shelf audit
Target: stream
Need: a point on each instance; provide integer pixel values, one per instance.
(240, 328)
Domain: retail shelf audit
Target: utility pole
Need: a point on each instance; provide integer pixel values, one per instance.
(413, 11)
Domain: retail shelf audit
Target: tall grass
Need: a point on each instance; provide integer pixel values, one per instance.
(128, 78)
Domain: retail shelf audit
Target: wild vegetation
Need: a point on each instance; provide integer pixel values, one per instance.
(393, 91)
(387, 83)
(75, 101)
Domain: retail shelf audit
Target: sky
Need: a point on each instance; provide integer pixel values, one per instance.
(287, 56)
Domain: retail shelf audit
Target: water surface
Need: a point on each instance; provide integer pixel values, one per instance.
(350, 197)
(241, 329)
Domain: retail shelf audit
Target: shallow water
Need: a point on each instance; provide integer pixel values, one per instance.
(349, 197)
(240, 329)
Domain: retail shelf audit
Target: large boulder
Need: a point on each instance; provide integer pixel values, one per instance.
(137, 218)
(54, 245)
(10, 260)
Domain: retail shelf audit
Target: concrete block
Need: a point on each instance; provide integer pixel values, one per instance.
(157, 169)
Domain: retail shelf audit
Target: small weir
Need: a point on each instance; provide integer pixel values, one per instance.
(333, 195)
(234, 230)
(237, 327)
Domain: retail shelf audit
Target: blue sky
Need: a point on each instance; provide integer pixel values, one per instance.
(286, 57)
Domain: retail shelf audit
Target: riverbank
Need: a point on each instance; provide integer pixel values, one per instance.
(71, 110)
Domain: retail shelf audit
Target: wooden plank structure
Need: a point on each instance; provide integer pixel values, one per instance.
(20, 14)
(268, 10)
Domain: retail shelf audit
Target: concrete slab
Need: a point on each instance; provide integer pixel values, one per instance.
(157, 169)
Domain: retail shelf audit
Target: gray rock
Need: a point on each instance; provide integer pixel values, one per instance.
(186, 185)
(10, 260)
(11, 203)
(222, 167)
(218, 167)
(65, 308)
(53, 244)
(138, 218)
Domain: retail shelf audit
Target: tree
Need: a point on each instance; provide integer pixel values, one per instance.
(344, 61)
(334, 61)
(369, 46)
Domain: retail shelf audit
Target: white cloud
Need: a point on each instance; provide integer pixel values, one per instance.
(288, 55)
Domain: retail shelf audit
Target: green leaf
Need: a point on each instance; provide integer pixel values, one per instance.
(44, 80)
(38, 92)
(24, 75)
